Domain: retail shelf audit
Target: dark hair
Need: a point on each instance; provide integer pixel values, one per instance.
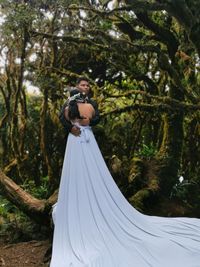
(74, 92)
(73, 111)
(82, 79)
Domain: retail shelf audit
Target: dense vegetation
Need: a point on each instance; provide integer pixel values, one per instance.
(142, 59)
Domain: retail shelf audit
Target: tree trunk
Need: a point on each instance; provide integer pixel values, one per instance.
(169, 155)
(158, 176)
(37, 209)
(44, 138)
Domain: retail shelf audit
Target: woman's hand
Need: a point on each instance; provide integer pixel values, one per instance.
(76, 131)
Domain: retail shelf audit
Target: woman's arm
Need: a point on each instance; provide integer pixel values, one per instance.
(66, 123)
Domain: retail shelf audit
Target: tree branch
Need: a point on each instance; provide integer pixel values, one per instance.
(69, 38)
(162, 33)
(161, 108)
(137, 5)
(33, 207)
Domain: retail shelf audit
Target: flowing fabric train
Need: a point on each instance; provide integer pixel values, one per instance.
(95, 226)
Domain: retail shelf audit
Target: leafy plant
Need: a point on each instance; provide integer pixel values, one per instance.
(40, 191)
(147, 151)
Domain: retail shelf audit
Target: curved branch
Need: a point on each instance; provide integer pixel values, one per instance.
(37, 209)
(166, 66)
(33, 207)
(137, 5)
(164, 99)
(161, 108)
(140, 6)
(180, 10)
(125, 27)
(69, 38)
(163, 34)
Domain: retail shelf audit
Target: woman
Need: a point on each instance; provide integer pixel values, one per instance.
(95, 226)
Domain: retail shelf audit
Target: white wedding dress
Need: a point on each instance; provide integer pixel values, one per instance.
(95, 226)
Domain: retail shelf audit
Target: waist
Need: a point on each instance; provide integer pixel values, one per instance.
(84, 136)
(81, 126)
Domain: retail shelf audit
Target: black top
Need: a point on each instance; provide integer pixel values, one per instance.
(68, 125)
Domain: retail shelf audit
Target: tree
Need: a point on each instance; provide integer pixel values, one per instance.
(143, 57)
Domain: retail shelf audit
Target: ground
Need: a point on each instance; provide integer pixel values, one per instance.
(26, 254)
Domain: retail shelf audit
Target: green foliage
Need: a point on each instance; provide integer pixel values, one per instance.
(20, 17)
(106, 25)
(147, 151)
(39, 191)
(188, 192)
(5, 207)
(16, 226)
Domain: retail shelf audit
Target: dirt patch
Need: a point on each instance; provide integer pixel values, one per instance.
(26, 254)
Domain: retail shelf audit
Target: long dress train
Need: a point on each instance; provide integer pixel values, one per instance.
(95, 226)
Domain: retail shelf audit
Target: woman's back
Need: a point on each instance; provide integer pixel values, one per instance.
(86, 110)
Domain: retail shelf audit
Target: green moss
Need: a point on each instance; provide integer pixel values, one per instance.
(138, 199)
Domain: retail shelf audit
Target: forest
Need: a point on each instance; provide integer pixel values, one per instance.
(142, 59)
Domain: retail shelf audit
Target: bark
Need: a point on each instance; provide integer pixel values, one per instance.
(154, 177)
(169, 155)
(7, 105)
(164, 35)
(180, 10)
(44, 138)
(19, 114)
(37, 209)
(144, 183)
(152, 182)
(23, 123)
(70, 39)
(160, 107)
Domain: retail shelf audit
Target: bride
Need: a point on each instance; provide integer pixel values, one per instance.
(95, 226)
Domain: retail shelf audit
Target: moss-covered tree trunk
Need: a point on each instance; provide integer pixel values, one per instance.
(37, 209)
(169, 155)
(44, 137)
(157, 176)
